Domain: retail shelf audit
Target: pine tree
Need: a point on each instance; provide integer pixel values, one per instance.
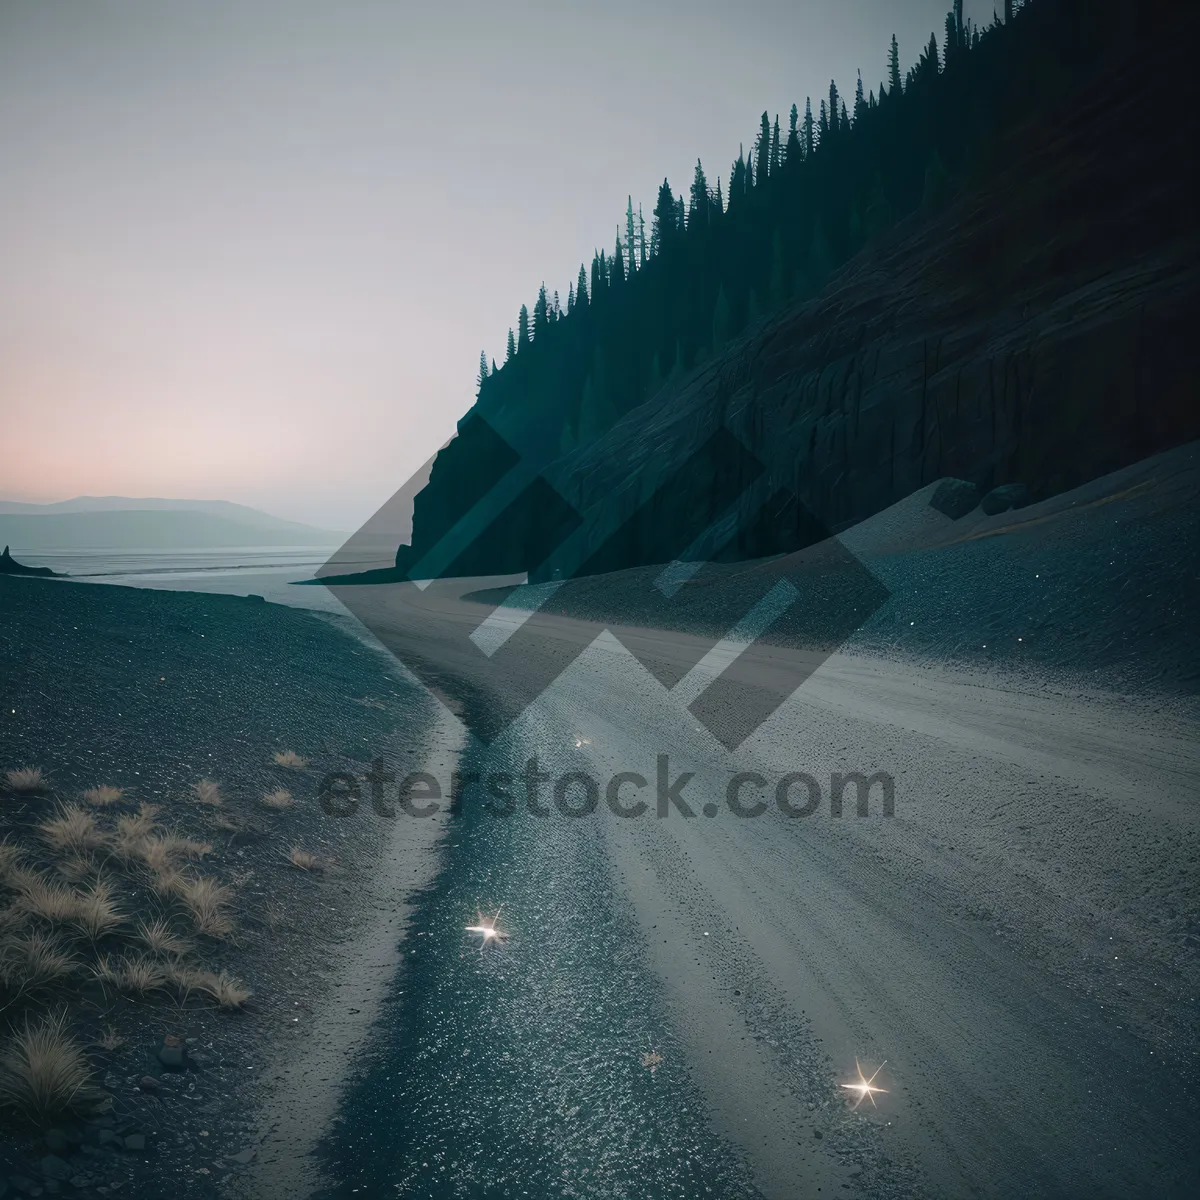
(845, 127)
(860, 103)
(541, 313)
(762, 151)
(556, 307)
(823, 124)
(570, 299)
(737, 179)
(680, 214)
(698, 218)
(522, 329)
(642, 252)
(718, 203)
(894, 86)
(810, 140)
(581, 290)
(483, 370)
(775, 145)
(511, 352)
(631, 238)
(834, 108)
(617, 262)
(662, 232)
(597, 279)
(792, 150)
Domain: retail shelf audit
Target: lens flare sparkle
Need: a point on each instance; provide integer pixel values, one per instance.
(865, 1087)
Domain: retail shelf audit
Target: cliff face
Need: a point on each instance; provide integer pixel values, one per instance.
(1038, 329)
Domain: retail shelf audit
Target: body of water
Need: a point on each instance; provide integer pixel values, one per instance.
(267, 571)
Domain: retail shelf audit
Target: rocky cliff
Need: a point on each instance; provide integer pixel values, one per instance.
(1040, 329)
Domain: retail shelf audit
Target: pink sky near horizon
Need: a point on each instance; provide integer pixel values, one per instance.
(252, 251)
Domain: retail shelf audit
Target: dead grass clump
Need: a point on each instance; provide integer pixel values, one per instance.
(159, 938)
(78, 868)
(279, 799)
(132, 831)
(139, 975)
(42, 1068)
(27, 781)
(103, 796)
(207, 902)
(305, 860)
(97, 913)
(43, 897)
(207, 792)
(165, 882)
(289, 758)
(186, 848)
(10, 861)
(227, 991)
(74, 831)
(34, 960)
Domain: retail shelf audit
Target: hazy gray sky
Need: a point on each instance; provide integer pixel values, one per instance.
(252, 250)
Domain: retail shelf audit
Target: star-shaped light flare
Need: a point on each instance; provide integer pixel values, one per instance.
(486, 928)
(865, 1087)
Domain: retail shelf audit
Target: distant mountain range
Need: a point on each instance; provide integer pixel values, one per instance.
(151, 523)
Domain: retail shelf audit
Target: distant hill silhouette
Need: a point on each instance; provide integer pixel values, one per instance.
(225, 509)
(153, 529)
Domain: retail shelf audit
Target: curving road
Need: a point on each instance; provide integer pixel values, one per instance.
(1006, 944)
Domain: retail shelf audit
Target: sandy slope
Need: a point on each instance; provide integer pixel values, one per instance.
(1018, 941)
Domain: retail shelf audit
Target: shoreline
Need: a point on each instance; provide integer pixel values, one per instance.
(150, 691)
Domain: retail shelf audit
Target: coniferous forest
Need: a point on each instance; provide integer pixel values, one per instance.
(817, 185)
(695, 278)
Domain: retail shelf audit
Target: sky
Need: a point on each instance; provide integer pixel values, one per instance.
(251, 250)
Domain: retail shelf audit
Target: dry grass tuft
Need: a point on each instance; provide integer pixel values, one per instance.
(207, 903)
(34, 960)
(289, 758)
(186, 848)
(138, 975)
(78, 868)
(304, 860)
(207, 792)
(97, 912)
(42, 1068)
(165, 882)
(227, 991)
(27, 781)
(132, 831)
(43, 897)
(279, 799)
(160, 938)
(10, 861)
(103, 796)
(74, 831)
